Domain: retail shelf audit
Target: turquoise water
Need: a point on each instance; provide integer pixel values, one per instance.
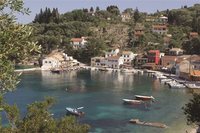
(101, 94)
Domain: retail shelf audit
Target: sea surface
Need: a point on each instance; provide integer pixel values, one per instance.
(101, 94)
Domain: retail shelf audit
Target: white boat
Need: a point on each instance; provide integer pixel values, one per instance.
(165, 80)
(130, 101)
(192, 86)
(128, 70)
(75, 111)
(174, 84)
(144, 98)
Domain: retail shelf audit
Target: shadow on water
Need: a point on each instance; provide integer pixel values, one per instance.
(141, 107)
(105, 123)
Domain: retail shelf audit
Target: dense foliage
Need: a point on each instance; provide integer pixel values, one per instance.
(53, 30)
(39, 119)
(192, 110)
(15, 45)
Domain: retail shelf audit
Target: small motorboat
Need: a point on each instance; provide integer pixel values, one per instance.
(130, 101)
(144, 123)
(144, 98)
(55, 71)
(75, 111)
(192, 86)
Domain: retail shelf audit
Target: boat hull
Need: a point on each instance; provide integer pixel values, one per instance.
(74, 112)
(129, 101)
(144, 98)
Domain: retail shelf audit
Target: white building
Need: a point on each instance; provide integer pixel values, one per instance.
(160, 29)
(125, 17)
(58, 60)
(162, 19)
(53, 60)
(175, 51)
(114, 62)
(78, 43)
(98, 61)
(127, 56)
(112, 53)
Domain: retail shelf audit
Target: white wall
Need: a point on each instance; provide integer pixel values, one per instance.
(50, 63)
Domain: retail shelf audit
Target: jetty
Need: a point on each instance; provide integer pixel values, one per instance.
(152, 124)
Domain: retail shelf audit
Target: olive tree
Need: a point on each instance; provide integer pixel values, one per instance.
(192, 110)
(15, 45)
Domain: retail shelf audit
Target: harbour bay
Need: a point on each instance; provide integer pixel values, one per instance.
(101, 94)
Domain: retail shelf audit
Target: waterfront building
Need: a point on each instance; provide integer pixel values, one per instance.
(160, 29)
(78, 43)
(154, 56)
(139, 61)
(168, 60)
(53, 60)
(128, 57)
(98, 62)
(114, 62)
(58, 60)
(188, 67)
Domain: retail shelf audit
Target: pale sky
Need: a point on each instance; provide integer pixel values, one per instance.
(68, 5)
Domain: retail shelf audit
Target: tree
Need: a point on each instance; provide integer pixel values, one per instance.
(136, 15)
(15, 45)
(192, 109)
(91, 9)
(192, 46)
(14, 42)
(113, 9)
(97, 9)
(39, 119)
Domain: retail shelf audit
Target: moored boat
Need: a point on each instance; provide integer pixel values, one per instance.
(144, 98)
(174, 84)
(130, 101)
(55, 71)
(192, 86)
(74, 111)
(152, 124)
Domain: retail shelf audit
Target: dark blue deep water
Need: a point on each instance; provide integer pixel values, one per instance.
(101, 94)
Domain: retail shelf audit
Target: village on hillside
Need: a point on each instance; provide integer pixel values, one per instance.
(172, 61)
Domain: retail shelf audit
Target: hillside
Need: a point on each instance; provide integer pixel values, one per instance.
(53, 30)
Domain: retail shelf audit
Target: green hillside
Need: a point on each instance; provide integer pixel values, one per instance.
(106, 30)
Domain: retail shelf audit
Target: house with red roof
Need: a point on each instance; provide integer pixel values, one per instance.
(160, 29)
(114, 62)
(78, 43)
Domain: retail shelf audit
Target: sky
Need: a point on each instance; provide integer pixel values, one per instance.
(63, 6)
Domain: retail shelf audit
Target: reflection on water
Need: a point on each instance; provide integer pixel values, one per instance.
(101, 94)
(117, 79)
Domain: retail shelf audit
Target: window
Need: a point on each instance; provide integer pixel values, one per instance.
(49, 61)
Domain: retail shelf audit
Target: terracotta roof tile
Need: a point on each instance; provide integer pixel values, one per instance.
(76, 40)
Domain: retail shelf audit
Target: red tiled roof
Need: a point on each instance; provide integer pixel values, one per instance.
(138, 33)
(76, 40)
(153, 51)
(159, 26)
(195, 73)
(113, 57)
(126, 52)
(194, 34)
